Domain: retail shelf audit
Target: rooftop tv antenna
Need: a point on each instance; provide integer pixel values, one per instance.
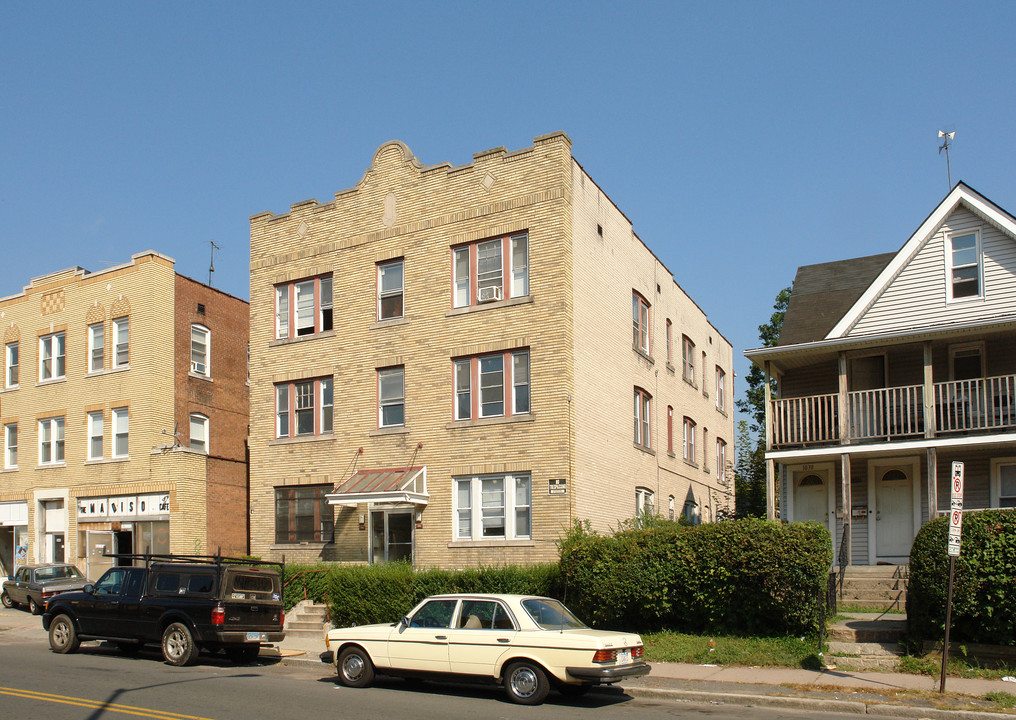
(211, 260)
(947, 137)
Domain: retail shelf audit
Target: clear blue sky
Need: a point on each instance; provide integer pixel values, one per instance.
(741, 138)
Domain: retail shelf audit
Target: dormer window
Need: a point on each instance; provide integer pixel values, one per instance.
(964, 266)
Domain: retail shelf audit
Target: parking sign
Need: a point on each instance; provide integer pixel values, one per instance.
(955, 510)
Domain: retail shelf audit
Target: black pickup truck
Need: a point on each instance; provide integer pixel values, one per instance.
(185, 603)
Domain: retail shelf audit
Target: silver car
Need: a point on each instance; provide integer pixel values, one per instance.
(32, 585)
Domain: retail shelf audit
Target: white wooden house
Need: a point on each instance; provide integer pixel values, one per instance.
(889, 368)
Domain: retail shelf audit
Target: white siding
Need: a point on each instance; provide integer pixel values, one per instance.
(917, 296)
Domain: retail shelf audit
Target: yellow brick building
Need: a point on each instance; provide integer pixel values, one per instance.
(450, 365)
(101, 370)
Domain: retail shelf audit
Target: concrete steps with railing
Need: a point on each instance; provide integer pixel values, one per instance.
(878, 587)
(307, 619)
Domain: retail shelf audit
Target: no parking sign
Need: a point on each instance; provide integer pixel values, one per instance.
(955, 510)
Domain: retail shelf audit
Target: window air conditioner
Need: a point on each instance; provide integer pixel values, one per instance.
(489, 294)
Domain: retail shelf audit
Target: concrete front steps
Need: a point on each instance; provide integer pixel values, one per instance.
(866, 641)
(307, 619)
(878, 587)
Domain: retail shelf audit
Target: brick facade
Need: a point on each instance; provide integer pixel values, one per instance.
(574, 319)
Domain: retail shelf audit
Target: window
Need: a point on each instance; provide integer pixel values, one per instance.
(198, 432)
(95, 435)
(501, 381)
(52, 358)
(966, 361)
(640, 322)
(391, 383)
(303, 407)
(302, 514)
(304, 307)
(721, 389)
(670, 429)
(51, 441)
(121, 336)
(390, 283)
(11, 445)
(689, 440)
(481, 271)
(503, 505)
(121, 426)
(670, 507)
(670, 343)
(11, 365)
(199, 341)
(96, 347)
(643, 403)
(721, 459)
(644, 502)
(688, 359)
(964, 266)
(1003, 482)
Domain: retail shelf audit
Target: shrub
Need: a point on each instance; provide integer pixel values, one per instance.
(984, 604)
(745, 577)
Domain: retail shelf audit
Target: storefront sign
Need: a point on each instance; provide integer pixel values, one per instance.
(124, 506)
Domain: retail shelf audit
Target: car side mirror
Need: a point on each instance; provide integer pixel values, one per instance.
(405, 621)
(88, 588)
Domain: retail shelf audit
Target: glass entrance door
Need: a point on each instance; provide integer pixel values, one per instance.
(391, 536)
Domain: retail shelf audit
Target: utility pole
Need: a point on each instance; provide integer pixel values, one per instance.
(947, 137)
(211, 260)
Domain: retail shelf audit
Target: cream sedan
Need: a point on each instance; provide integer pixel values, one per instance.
(522, 642)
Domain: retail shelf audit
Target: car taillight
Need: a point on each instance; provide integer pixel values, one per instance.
(605, 656)
(282, 618)
(636, 652)
(219, 615)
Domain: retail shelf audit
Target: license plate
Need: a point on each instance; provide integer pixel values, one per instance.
(253, 637)
(623, 657)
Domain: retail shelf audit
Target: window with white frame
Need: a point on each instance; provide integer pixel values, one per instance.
(721, 459)
(688, 359)
(11, 445)
(303, 408)
(96, 347)
(640, 322)
(391, 383)
(670, 429)
(1003, 482)
(643, 407)
(492, 269)
(390, 289)
(200, 343)
(493, 507)
(51, 441)
(496, 385)
(721, 389)
(121, 336)
(52, 357)
(121, 431)
(95, 431)
(689, 439)
(303, 307)
(964, 251)
(11, 365)
(199, 432)
(644, 502)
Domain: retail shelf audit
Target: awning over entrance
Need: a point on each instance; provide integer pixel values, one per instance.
(388, 485)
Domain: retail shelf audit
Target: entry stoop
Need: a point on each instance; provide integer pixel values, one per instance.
(867, 641)
(307, 619)
(879, 587)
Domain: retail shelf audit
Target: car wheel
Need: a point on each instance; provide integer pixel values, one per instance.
(6, 600)
(243, 654)
(354, 667)
(178, 646)
(526, 683)
(570, 690)
(63, 638)
(33, 607)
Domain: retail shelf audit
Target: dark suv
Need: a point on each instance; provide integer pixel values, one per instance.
(186, 603)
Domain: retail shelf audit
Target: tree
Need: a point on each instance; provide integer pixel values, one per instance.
(750, 470)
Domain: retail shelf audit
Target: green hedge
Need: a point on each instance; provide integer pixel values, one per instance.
(984, 586)
(748, 576)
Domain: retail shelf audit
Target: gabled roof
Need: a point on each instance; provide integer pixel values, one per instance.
(961, 194)
(385, 485)
(823, 293)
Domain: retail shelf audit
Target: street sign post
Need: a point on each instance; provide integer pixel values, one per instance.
(953, 550)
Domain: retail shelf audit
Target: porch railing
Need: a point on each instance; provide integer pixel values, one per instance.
(982, 404)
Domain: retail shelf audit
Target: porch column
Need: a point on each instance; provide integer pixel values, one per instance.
(841, 401)
(845, 540)
(932, 483)
(770, 489)
(770, 464)
(930, 421)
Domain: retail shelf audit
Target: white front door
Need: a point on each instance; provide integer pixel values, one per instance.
(811, 496)
(894, 511)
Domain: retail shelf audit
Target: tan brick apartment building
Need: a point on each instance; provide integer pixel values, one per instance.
(449, 365)
(100, 368)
